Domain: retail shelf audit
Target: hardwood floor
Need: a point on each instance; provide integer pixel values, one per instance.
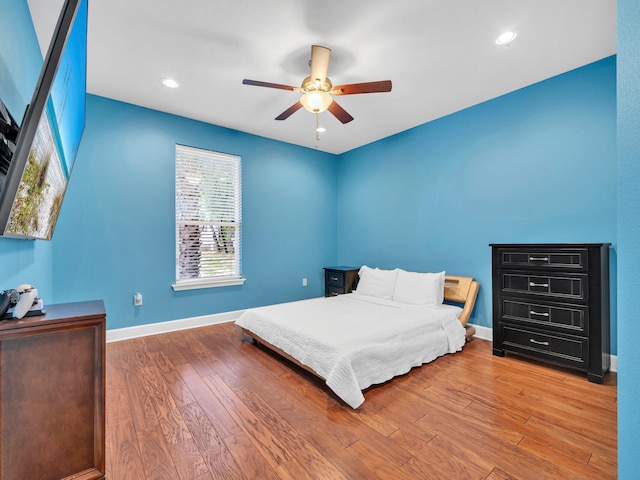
(202, 404)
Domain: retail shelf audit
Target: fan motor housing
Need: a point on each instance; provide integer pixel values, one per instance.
(309, 85)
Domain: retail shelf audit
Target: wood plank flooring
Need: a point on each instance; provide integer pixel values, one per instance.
(202, 404)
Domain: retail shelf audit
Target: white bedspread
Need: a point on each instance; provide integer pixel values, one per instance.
(355, 341)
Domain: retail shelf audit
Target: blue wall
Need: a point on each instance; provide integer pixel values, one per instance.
(537, 165)
(20, 63)
(116, 231)
(628, 237)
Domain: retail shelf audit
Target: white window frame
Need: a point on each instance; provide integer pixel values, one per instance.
(206, 164)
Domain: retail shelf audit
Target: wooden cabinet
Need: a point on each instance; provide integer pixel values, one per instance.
(551, 302)
(339, 280)
(52, 384)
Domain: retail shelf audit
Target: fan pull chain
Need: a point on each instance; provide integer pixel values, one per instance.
(317, 126)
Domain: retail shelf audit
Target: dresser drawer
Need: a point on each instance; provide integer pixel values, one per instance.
(572, 288)
(570, 351)
(574, 259)
(571, 318)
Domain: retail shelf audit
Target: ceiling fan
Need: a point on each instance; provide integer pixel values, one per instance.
(318, 91)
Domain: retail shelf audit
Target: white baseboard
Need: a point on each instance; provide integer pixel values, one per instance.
(483, 333)
(486, 333)
(118, 334)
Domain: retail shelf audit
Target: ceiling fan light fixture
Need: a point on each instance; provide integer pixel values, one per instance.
(316, 101)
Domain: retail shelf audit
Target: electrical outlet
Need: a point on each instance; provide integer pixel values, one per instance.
(304, 282)
(137, 299)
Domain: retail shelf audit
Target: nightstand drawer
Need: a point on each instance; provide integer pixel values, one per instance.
(563, 350)
(333, 291)
(538, 258)
(566, 287)
(333, 278)
(572, 318)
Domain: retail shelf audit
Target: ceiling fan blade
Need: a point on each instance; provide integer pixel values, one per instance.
(258, 83)
(367, 87)
(289, 111)
(339, 112)
(319, 63)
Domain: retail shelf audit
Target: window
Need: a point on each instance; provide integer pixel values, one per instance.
(208, 219)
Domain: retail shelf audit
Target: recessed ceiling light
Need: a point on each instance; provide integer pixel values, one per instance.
(506, 38)
(170, 83)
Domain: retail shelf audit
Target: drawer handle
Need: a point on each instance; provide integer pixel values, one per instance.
(334, 279)
(538, 313)
(531, 284)
(546, 344)
(538, 259)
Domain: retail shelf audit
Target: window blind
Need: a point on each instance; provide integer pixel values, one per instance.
(208, 216)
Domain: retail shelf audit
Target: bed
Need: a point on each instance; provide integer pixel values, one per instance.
(367, 337)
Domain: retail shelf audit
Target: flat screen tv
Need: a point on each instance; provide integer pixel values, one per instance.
(37, 156)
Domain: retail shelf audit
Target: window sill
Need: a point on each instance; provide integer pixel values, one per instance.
(207, 283)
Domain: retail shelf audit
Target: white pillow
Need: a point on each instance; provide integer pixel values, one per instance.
(419, 288)
(376, 282)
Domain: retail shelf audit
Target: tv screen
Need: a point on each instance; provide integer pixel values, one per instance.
(39, 158)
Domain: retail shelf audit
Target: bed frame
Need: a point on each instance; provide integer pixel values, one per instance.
(462, 290)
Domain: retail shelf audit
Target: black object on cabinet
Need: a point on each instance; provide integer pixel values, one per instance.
(551, 303)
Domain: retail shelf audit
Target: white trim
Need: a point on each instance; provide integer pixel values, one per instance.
(483, 333)
(207, 283)
(486, 333)
(127, 333)
(614, 363)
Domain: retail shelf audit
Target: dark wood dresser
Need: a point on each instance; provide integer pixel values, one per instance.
(551, 303)
(52, 386)
(338, 280)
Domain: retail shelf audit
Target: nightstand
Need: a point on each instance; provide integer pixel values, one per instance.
(339, 280)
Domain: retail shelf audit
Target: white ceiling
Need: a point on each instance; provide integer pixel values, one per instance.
(440, 55)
